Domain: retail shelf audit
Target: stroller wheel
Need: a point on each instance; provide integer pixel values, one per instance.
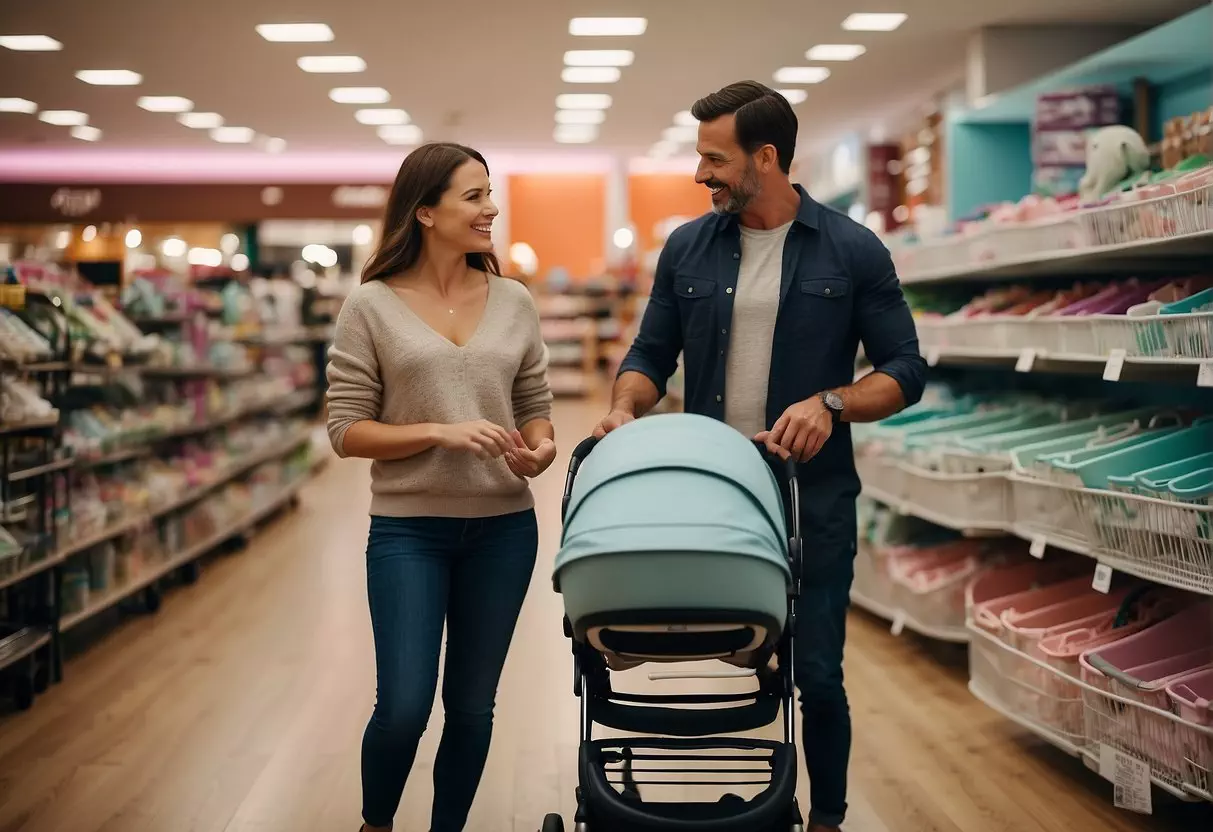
(553, 823)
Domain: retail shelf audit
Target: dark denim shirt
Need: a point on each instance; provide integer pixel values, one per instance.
(839, 289)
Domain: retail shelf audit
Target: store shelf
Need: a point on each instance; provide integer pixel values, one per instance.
(40, 470)
(33, 424)
(21, 644)
(1190, 372)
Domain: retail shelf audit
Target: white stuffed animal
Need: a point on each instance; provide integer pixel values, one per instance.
(1113, 153)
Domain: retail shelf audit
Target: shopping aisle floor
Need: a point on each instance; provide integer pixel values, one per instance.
(240, 707)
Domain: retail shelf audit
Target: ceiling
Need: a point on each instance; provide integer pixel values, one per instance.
(486, 73)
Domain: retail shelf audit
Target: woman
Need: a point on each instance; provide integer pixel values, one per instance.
(437, 373)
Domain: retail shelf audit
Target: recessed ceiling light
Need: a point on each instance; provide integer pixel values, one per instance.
(604, 27)
(801, 74)
(400, 133)
(30, 43)
(63, 118)
(360, 95)
(685, 119)
(868, 22)
(580, 116)
(110, 77)
(331, 63)
(233, 135)
(575, 133)
(663, 150)
(583, 101)
(835, 52)
(598, 57)
(201, 121)
(165, 104)
(680, 134)
(794, 96)
(295, 32)
(17, 105)
(86, 133)
(377, 116)
(590, 74)
(275, 145)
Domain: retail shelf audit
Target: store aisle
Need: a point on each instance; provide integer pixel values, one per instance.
(240, 707)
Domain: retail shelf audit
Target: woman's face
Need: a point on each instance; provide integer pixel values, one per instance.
(463, 217)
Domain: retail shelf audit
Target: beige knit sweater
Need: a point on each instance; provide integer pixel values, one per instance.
(386, 364)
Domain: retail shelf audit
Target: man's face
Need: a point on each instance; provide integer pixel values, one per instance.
(725, 168)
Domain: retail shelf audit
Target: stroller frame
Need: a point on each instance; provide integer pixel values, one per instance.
(689, 733)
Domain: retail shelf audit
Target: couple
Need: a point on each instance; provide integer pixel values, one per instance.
(436, 357)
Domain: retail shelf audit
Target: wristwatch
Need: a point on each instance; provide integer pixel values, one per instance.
(833, 403)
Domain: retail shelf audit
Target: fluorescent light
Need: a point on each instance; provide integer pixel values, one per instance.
(17, 105)
(165, 104)
(110, 77)
(201, 121)
(89, 233)
(295, 32)
(173, 247)
(360, 95)
(801, 75)
(376, 116)
(583, 101)
(868, 22)
(400, 133)
(63, 118)
(134, 238)
(680, 133)
(331, 63)
(605, 27)
(794, 96)
(275, 145)
(86, 133)
(663, 149)
(233, 135)
(580, 116)
(30, 43)
(835, 52)
(575, 133)
(598, 57)
(212, 257)
(590, 74)
(685, 119)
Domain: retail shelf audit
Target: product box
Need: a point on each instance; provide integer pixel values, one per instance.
(1078, 109)
(1060, 148)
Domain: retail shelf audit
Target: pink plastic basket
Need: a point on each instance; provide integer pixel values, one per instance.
(1192, 698)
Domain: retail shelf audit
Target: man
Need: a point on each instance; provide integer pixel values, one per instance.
(768, 298)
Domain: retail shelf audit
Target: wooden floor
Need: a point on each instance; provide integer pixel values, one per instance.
(240, 707)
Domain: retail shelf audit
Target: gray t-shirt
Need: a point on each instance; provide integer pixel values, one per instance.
(755, 307)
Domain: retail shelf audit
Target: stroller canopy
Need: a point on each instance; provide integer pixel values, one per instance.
(675, 483)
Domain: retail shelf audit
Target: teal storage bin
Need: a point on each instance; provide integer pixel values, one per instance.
(1180, 444)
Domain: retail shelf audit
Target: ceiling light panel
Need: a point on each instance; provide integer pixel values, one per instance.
(680, 134)
(685, 119)
(583, 101)
(801, 75)
(201, 121)
(599, 57)
(275, 145)
(63, 118)
(30, 43)
(869, 22)
(794, 96)
(165, 104)
(377, 117)
(575, 133)
(233, 135)
(360, 95)
(606, 27)
(835, 52)
(295, 32)
(17, 105)
(110, 77)
(400, 134)
(86, 133)
(331, 63)
(580, 116)
(590, 74)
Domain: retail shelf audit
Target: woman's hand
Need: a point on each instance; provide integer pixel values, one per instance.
(481, 437)
(527, 462)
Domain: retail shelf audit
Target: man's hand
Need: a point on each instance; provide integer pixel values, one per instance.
(800, 432)
(614, 419)
(526, 462)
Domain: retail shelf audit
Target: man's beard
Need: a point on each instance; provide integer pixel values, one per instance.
(742, 194)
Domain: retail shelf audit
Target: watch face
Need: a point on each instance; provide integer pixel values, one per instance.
(833, 401)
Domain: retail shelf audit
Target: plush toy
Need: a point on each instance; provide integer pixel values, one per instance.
(1113, 154)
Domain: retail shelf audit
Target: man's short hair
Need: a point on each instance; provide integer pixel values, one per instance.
(761, 116)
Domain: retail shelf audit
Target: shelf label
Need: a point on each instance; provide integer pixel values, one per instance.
(1204, 376)
(899, 623)
(932, 356)
(1130, 778)
(1037, 549)
(1103, 578)
(1026, 359)
(1116, 363)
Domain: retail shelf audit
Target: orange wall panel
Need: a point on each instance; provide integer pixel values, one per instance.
(563, 218)
(653, 197)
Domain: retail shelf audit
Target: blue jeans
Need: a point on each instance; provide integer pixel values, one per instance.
(423, 572)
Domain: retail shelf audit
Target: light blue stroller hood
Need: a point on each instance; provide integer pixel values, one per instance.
(674, 483)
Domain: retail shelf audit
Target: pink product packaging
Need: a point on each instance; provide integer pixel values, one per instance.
(1059, 148)
(1078, 109)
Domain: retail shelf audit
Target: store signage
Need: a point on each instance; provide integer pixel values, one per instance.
(365, 196)
(75, 203)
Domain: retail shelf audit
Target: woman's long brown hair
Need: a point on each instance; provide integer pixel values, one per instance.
(421, 181)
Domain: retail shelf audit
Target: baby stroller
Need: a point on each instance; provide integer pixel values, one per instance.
(675, 548)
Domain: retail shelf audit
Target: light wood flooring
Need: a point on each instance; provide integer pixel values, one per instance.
(240, 707)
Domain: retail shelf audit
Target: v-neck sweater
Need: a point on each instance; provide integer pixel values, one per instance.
(388, 365)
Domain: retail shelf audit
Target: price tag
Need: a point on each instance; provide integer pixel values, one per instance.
(1204, 376)
(1037, 549)
(1103, 578)
(932, 356)
(1026, 359)
(899, 623)
(1130, 778)
(1116, 363)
